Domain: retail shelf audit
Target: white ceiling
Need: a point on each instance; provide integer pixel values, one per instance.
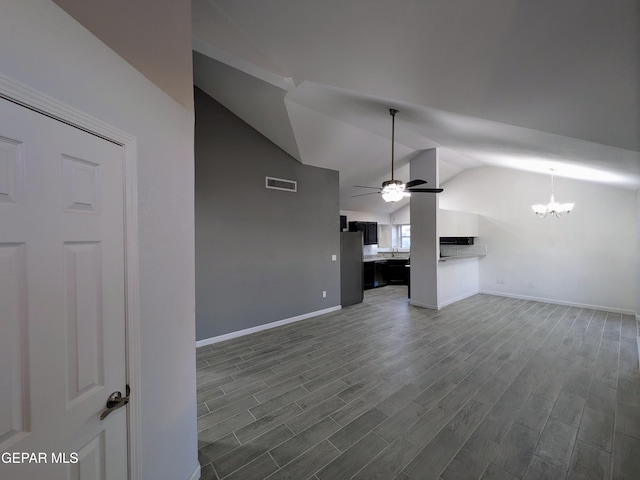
(513, 83)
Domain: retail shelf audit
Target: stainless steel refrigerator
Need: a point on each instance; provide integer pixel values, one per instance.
(351, 285)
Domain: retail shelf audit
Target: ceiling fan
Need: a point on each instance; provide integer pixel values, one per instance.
(394, 190)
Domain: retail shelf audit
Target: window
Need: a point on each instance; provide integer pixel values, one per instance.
(405, 236)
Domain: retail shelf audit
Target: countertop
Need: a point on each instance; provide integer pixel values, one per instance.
(459, 257)
(448, 258)
(377, 258)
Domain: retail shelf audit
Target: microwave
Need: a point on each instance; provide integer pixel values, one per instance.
(456, 240)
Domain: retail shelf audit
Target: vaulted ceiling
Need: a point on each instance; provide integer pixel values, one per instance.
(521, 84)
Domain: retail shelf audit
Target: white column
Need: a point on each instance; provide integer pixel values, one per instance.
(637, 250)
(425, 245)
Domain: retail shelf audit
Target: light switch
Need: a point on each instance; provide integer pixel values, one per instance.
(334, 258)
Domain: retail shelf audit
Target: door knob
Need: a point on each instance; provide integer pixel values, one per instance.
(114, 402)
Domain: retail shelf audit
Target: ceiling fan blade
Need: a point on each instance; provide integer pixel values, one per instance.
(425, 190)
(363, 186)
(363, 194)
(415, 183)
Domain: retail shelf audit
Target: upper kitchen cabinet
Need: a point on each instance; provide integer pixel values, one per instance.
(372, 233)
(452, 223)
(369, 231)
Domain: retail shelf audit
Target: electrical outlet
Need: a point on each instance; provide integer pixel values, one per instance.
(324, 294)
(532, 284)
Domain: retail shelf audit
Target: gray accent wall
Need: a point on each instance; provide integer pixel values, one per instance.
(261, 255)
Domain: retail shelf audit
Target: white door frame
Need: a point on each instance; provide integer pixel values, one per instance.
(35, 100)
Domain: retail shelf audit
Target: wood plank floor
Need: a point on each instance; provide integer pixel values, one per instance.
(486, 388)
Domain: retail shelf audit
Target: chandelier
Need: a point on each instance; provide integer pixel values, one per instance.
(552, 208)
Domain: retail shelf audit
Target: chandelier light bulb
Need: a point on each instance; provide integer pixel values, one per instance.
(552, 208)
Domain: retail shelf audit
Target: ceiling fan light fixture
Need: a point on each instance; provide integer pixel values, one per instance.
(393, 191)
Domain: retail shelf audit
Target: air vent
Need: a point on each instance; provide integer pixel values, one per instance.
(281, 184)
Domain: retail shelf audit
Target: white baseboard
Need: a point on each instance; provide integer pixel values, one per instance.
(457, 299)
(266, 326)
(196, 473)
(443, 304)
(560, 302)
(423, 305)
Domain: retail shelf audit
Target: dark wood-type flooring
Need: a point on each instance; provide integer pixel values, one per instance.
(486, 388)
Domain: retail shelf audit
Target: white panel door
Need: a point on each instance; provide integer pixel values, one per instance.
(62, 300)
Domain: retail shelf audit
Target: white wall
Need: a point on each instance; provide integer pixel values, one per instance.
(457, 279)
(587, 258)
(43, 47)
(402, 216)
(154, 38)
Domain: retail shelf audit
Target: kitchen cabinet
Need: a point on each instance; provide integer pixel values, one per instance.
(343, 223)
(375, 274)
(368, 275)
(380, 273)
(397, 272)
(369, 231)
(452, 223)
(372, 233)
